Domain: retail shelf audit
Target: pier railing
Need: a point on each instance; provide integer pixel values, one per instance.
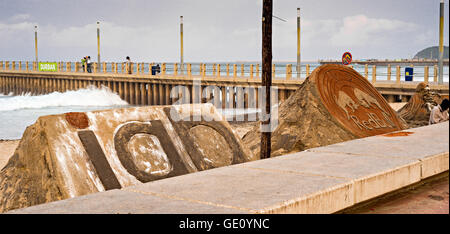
(389, 73)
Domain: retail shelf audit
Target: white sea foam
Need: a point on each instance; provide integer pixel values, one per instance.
(91, 96)
(5, 95)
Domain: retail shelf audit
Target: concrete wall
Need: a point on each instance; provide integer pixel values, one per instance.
(320, 180)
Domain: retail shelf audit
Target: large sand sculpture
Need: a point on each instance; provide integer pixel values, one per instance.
(64, 156)
(416, 112)
(334, 104)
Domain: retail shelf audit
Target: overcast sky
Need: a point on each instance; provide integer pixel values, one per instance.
(217, 30)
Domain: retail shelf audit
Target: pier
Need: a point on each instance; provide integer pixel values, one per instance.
(230, 85)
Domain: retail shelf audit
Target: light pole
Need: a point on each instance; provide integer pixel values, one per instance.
(299, 68)
(441, 42)
(36, 44)
(181, 45)
(98, 45)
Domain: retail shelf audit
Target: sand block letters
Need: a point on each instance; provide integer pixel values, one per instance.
(73, 154)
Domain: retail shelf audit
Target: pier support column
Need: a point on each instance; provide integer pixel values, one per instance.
(167, 94)
(228, 70)
(126, 92)
(132, 93)
(223, 90)
(155, 94)
(242, 70)
(149, 94)
(137, 90)
(398, 77)
(120, 87)
(218, 70)
(143, 94)
(234, 71)
(307, 70)
(161, 94)
(426, 74)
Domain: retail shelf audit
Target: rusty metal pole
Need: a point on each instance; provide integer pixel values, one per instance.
(266, 75)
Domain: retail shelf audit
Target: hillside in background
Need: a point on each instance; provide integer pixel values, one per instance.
(431, 53)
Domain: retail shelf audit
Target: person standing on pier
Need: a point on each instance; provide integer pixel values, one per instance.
(440, 112)
(83, 63)
(88, 64)
(128, 65)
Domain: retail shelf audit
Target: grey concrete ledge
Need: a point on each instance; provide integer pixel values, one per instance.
(320, 180)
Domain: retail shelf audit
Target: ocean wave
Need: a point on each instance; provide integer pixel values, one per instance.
(90, 96)
(5, 95)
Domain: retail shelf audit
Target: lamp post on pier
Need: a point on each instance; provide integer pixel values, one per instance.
(36, 44)
(98, 45)
(299, 68)
(181, 46)
(441, 43)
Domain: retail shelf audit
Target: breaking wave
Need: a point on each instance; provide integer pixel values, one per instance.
(90, 96)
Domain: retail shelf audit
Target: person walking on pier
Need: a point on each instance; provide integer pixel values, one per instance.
(440, 112)
(128, 65)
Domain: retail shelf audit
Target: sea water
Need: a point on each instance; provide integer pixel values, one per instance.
(18, 112)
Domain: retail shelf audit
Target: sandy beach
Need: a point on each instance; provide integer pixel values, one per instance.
(7, 149)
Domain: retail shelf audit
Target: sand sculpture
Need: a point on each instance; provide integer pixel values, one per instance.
(417, 111)
(334, 104)
(64, 156)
